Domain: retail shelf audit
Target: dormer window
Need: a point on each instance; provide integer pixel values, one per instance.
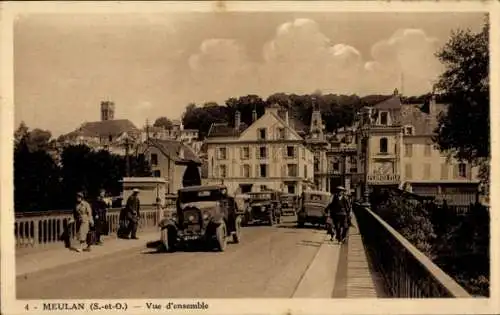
(262, 134)
(408, 131)
(384, 118)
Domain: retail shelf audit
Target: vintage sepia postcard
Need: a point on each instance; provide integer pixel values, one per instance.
(249, 157)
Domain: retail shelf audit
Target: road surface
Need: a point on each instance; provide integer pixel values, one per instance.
(270, 262)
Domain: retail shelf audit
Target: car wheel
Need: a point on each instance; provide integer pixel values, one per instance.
(300, 224)
(221, 235)
(167, 240)
(237, 232)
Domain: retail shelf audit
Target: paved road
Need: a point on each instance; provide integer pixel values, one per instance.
(268, 263)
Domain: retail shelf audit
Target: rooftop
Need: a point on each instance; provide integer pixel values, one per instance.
(171, 148)
(104, 128)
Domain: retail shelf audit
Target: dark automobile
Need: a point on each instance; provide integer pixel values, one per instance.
(289, 204)
(313, 208)
(203, 214)
(264, 207)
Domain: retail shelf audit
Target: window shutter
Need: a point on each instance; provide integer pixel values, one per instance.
(283, 171)
(455, 171)
(241, 153)
(257, 152)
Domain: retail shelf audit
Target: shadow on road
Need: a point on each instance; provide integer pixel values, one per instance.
(309, 243)
(187, 248)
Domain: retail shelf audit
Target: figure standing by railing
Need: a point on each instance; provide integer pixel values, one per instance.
(100, 209)
(82, 215)
(339, 212)
(132, 209)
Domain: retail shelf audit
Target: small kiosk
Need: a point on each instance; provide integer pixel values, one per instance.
(151, 189)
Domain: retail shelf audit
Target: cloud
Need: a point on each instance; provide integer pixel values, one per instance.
(301, 59)
(407, 55)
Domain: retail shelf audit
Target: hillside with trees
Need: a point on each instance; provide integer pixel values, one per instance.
(337, 110)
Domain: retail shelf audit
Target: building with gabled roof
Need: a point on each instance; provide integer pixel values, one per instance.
(174, 161)
(268, 154)
(108, 133)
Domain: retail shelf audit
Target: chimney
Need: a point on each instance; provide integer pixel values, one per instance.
(287, 119)
(254, 115)
(237, 120)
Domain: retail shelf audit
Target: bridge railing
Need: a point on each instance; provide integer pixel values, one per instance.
(38, 230)
(406, 272)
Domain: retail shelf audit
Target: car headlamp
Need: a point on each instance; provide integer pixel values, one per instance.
(191, 218)
(205, 216)
(263, 208)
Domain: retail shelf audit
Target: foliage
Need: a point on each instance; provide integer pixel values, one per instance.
(451, 240)
(337, 110)
(465, 128)
(462, 240)
(410, 218)
(163, 122)
(36, 178)
(41, 184)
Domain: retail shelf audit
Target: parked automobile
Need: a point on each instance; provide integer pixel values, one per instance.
(264, 207)
(313, 208)
(203, 214)
(289, 204)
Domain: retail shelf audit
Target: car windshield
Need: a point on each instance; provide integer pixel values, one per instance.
(316, 198)
(199, 195)
(261, 196)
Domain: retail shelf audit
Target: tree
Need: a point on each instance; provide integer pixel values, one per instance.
(410, 218)
(36, 179)
(163, 122)
(21, 132)
(465, 129)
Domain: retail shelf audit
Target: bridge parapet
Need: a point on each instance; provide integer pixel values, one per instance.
(406, 271)
(43, 229)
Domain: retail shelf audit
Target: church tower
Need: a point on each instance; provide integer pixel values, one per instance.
(317, 127)
(107, 110)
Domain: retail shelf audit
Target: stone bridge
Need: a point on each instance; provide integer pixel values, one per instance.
(270, 262)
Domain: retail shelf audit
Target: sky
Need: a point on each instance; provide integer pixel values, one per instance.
(154, 65)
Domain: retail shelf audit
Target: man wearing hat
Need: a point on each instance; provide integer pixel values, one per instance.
(339, 212)
(100, 208)
(132, 211)
(83, 217)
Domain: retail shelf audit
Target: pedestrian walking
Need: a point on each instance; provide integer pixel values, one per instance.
(132, 210)
(82, 216)
(99, 211)
(339, 212)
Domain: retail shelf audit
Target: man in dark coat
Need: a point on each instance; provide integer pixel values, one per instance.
(99, 211)
(132, 213)
(339, 211)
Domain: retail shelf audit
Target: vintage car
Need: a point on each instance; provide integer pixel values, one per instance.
(313, 208)
(203, 214)
(289, 204)
(264, 207)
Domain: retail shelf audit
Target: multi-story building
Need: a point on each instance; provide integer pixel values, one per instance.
(401, 152)
(268, 154)
(335, 156)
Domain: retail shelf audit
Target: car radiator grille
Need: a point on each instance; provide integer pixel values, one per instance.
(193, 225)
